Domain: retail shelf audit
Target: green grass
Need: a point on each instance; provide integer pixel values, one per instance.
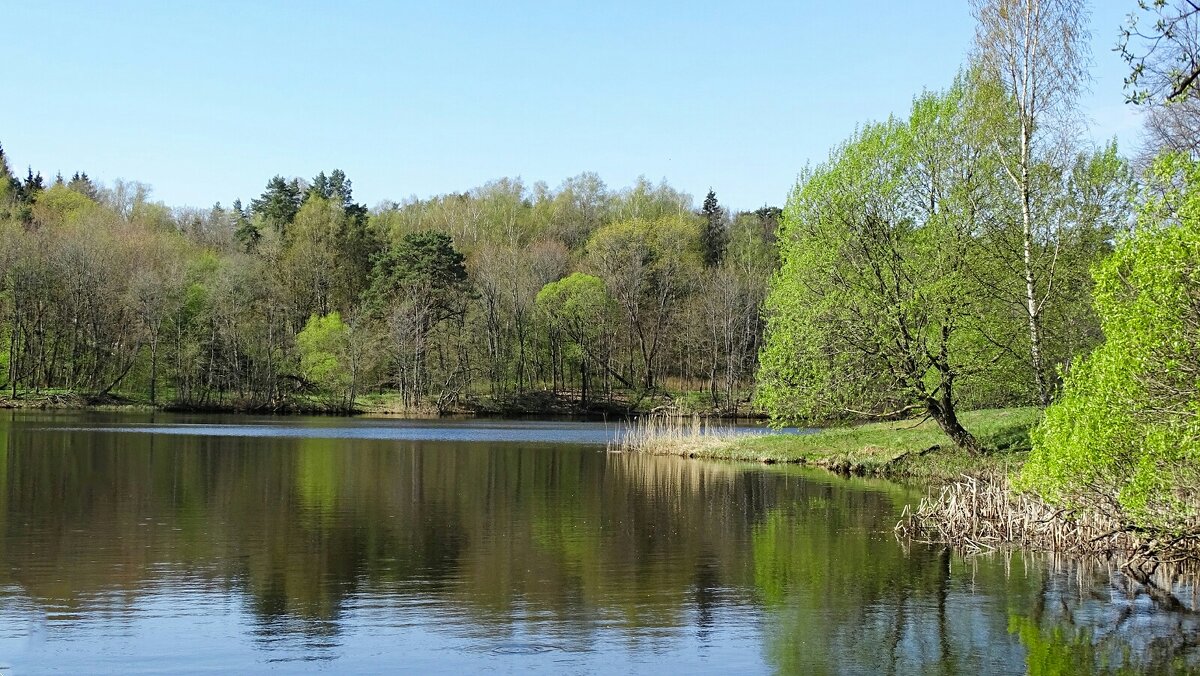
(900, 449)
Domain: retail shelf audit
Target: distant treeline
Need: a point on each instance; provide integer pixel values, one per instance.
(305, 297)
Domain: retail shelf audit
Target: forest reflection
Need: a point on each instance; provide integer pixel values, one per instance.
(311, 536)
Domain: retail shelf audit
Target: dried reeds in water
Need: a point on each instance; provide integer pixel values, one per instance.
(983, 513)
(661, 434)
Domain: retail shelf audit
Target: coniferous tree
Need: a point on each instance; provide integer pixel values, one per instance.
(424, 262)
(319, 187)
(80, 183)
(340, 188)
(416, 285)
(768, 219)
(715, 237)
(279, 202)
(33, 186)
(245, 230)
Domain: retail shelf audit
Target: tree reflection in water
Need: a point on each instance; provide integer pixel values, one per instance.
(319, 544)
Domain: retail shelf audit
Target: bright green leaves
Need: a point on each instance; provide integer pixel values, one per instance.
(649, 266)
(578, 300)
(1126, 433)
(324, 347)
(866, 311)
(62, 205)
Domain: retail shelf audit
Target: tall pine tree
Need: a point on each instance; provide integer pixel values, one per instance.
(279, 203)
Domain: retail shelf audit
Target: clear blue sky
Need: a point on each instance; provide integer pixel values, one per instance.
(206, 101)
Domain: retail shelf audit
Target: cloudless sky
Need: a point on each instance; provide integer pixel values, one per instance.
(205, 101)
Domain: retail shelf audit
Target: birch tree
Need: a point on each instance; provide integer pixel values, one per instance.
(1036, 50)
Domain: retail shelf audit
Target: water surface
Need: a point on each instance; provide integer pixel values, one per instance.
(185, 544)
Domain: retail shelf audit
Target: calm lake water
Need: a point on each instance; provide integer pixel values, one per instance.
(175, 544)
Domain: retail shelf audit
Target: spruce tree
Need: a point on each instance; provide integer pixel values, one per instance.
(80, 183)
(715, 237)
(33, 186)
(245, 230)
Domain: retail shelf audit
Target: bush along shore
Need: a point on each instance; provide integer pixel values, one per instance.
(975, 502)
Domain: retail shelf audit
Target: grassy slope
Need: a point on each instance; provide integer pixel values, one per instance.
(892, 449)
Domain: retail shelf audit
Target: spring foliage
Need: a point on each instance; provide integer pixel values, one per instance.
(871, 309)
(1125, 434)
(323, 345)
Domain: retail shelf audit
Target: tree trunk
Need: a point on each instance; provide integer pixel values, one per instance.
(154, 370)
(942, 412)
(13, 358)
(1031, 303)
(583, 377)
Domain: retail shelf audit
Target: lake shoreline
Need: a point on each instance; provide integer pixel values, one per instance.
(532, 404)
(902, 450)
(970, 501)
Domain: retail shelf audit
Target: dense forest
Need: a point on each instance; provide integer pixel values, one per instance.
(504, 297)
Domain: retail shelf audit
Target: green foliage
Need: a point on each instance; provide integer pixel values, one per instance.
(578, 301)
(580, 307)
(648, 266)
(279, 202)
(245, 230)
(62, 205)
(1124, 435)
(103, 289)
(81, 183)
(423, 264)
(324, 344)
(32, 186)
(715, 237)
(871, 308)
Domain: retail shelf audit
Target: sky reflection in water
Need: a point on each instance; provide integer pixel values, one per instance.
(431, 546)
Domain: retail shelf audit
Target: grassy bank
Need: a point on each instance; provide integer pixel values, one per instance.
(907, 449)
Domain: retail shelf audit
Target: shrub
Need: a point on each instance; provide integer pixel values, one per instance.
(1124, 437)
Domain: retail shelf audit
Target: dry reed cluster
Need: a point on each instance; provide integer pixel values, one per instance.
(984, 513)
(661, 434)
